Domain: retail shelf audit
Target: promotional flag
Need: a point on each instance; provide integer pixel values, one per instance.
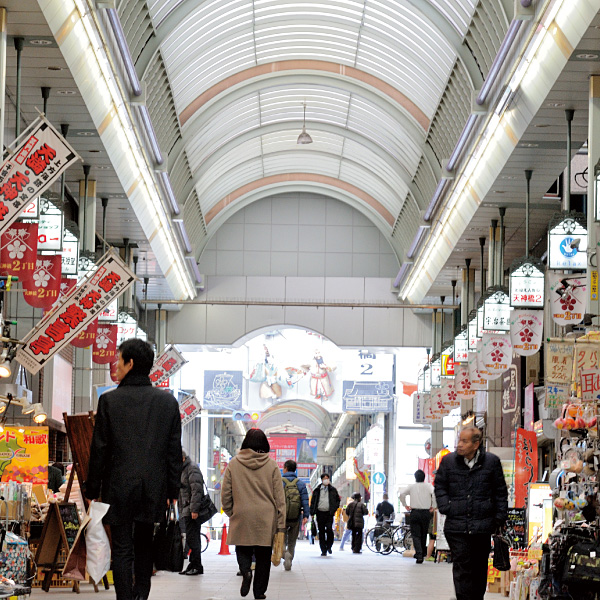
(166, 365)
(483, 371)
(526, 465)
(113, 371)
(567, 298)
(77, 310)
(526, 328)
(40, 155)
(87, 337)
(462, 384)
(105, 345)
(478, 383)
(18, 250)
(42, 289)
(496, 352)
(189, 407)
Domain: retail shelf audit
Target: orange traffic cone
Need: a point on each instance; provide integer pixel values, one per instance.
(224, 551)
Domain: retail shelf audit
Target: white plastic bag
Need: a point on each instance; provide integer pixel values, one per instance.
(96, 541)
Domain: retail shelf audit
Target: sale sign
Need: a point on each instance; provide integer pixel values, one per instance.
(166, 365)
(77, 310)
(40, 155)
(189, 407)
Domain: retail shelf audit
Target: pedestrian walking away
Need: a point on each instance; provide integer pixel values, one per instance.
(422, 504)
(356, 512)
(324, 502)
(253, 499)
(190, 497)
(347, 534)
(384, 511)
(471, 492)
(135, 465)
(297, 510)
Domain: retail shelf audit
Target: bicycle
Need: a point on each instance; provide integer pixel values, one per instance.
(386, 538)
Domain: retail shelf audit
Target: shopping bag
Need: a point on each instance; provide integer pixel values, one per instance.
(207, 508)
(13, 558)
(167, 545)
(501, 552)
(76, 560)
(96, 542)
(278, 543)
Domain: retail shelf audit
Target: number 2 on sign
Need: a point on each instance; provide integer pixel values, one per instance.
(366, 369)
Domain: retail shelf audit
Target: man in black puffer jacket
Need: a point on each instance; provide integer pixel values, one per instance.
(190, 495)
(471, 491)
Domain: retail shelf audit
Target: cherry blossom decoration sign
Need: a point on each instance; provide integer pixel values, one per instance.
(462, 384)
(567, 298)
(18, 250)
(496, 352)
(39, 156)
(526, 329)
(478, 383)
(76, 311)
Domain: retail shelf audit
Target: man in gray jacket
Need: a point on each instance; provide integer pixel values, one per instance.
(190, 495)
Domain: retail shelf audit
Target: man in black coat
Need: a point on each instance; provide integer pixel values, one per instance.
(324, 502)
(190, 498)
(135, 465)
(471, 491)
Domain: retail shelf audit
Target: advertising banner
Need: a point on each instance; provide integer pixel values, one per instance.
(223, 389)
(18, 250)
(526, 329)
(87, 336)
(462, 384)
(189, 407)
(559, 362)
(40, 155)
(496, 352)
(418, 408)
(24, 454)
(105, 345)
(42, 289)
(76, 311)
(282, 449)
(306, 453)
(590, 385)
(166, 365)
(528, 414)
(478, 383)
(369, 385)
(586, 357)
(567, 298)
(526, 465)
(450, 398)
(556, 395)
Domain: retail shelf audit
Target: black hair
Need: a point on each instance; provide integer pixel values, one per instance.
(419, 475)
(356, 496)
(256, 440)
(142, 354)
(60, 467)
(290, 466)
(325, 475)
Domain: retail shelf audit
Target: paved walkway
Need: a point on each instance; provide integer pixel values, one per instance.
(341, 576)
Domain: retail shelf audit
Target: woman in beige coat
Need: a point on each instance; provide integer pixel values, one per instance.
(254, 501)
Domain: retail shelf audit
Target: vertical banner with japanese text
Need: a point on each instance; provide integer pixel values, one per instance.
(478, 383)
(526, 328)
(463, 385)
(87, 337)
(77, 310)
(105, 345)
(42, 289)
(586, 357)
(567, 298)
(559, 361)
(41, 154)
(166, 365)
(526, 465)
(18, 250)
(497, 353)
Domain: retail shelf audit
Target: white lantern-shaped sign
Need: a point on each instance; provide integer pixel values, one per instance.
(473, 333)
(567, 241)
(436, 371)
(496, 310)
(461, 346)
(427, 379)
(527, 283)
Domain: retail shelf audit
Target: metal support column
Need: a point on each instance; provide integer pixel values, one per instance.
(2, 75)
(19, 48)
(592, 298)
(569, 113)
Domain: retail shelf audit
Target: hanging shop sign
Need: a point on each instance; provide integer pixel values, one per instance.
(484, 372)
(559, 361)
(306, 453)
(480, 319)
(462, 383)
(369, 383)
(472, 327)
(478, 383)
(18, 250)
(189, 407)
(556, 395)
(436, 371)
(438, 407)
(427, 379)
(373, 446)
(526, 329)
(166, 365)
(450, 398)
(526, 284)
(126, 327)
(421, 382)
(40, 155)
(110, 313)
(447, 361)
(111, 278)
(526, 465)
(567, 298)
(87, 337)
(567, 241)
(586, 356)
(24, 454)
(497, 352)
(70, 253)
(85, 266)
(32, 210)
(350, 453)
(590, 385)
(418, 408)
(496, 310)
(105, 345)
(282, 448)
(223, 389)
(42, 289)
(511, 402)
(50, 227)
(461, 346)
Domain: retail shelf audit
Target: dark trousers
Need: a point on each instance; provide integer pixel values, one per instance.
(132, 559)
(192, 540)
(469, 563)
(262, 570)
(357, 539)
(292, 529)
(325, 526)
(419, 526)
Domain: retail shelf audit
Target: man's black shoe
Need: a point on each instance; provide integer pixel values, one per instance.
(239, 573)
(329, 551)
(246, 581)
(195, 572)
(323, 553)
(419, 561)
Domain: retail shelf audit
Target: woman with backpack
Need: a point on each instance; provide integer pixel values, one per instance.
(253, 499)
(296, 510)
(356, 512)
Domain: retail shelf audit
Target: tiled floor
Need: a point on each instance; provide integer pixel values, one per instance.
(341, 576)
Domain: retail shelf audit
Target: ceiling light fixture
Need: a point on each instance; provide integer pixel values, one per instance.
(39, 414)
(304, 138)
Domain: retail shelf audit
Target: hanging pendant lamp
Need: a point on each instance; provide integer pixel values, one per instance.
(304, 138)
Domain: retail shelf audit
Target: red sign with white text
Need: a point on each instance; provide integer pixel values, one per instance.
(87, 337)
(282, 449)
(105, 345)
(18, 250)
(42, 289)
(526, 465)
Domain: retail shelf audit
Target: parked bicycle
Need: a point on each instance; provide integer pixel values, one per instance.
(387, 538)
